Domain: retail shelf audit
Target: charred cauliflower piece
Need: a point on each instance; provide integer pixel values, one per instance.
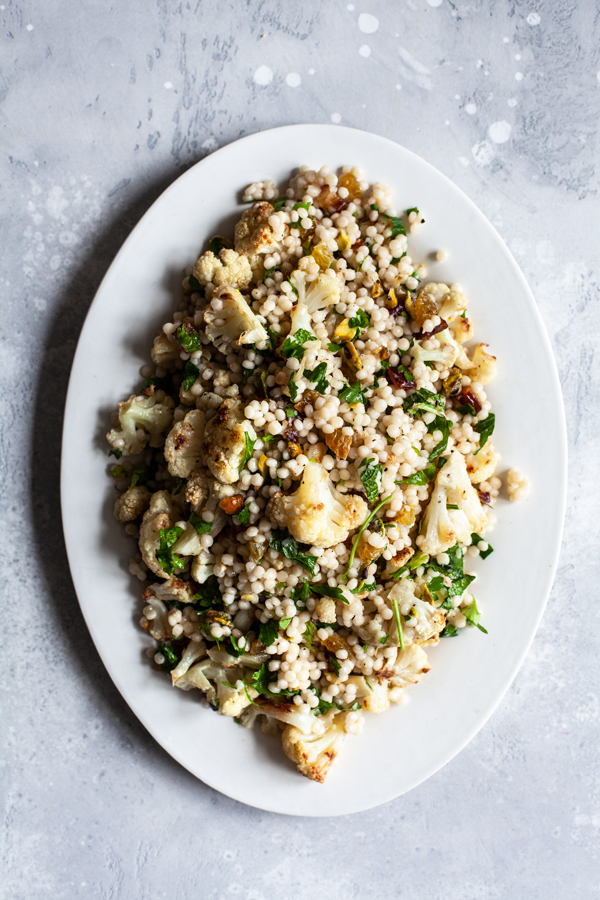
(254, 236)
(132, 503)
(315, 754)
(229, 321)
(224, 441)
(196, 489)
(422, 620)
(443, 527)
(183, 444)
(316, 513)
(229, 268)
(482, 465)
(484, 365)
(142, 420)
(165, 353)
(159, 515)
(319, 294)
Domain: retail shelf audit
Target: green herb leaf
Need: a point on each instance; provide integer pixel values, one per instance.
(477, 539)
(139, 475)
(305, 206)
(199, 524)
(294, 344)
(116, 453)
(292, 387)
(352, 393)
(216, 244)
(371, 476)
(449, 631)
(485, 429)
(326, 591)
(284, 543)
(117, 471)
(168, 561)
(293, 288)
(300, 594)
(244, 514)
(278, 203)
(189, 338)
(268, 633)
(360, 321)
(195, 286)
(333, 348)
(248, 449)
(318, 374)
(411, 210)
(398, 623)
(397, 226)
(364, 588)
(423, 477)
(307, 637)
(209, 596)
(473, 616)
(290, 411)
(171, 658)
(335, 665)
(190, 374)
(362, 528)
(269, 272)
(436, 584)
(283, 623)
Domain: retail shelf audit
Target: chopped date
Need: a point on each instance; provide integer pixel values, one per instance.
(398, 378)
(330, 200)
(290, 434)
(468, 398)
(484, 497)
(427, 334)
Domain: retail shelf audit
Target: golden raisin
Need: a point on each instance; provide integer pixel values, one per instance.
(323, 256)
(350, 182)
(424, 307)
(294, 449)
(334, 643)
(339, 442)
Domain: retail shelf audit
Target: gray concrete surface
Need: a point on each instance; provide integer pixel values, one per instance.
(103, 105)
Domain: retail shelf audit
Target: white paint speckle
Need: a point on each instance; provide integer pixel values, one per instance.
(471, 109)
(518, 76)
(479, 64)
(447, 122)
(398, 87)
(367, 23)
(533, 19)
(336, 118)
(511, 102)
(517, 56)
(209, 144)
(505, 40)
(293, 80)
(499, 132)
(39, 303)
(168, 85)
(483, 153)
(263, 76)
(364, 50)
(350, 7)
(435, 2)
(29, 27)
(311, 71)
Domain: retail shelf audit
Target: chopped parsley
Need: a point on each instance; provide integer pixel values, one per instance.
(414, 209)
(477, 539)
(473, 616)
(269, 272)
(209, 596)
(284, 543)
(294, 344)
(292, 387)
(449, 631)
(307, 637)
(190, 374)
(194, 285)
(248, 449)
(361, 320)
(485, 429)
(371, 474)
(352, 393)
(244, 514)
(189, 338)
(333, 348)
(168, 561)
(199, 524)
(397, 226)
(300, 594)
(277, 204)
(283, 623)
(116, 453)
(318, 374)
(170, 658)
(268, 633)
(216, 244)
(325, 590)
(424, 401)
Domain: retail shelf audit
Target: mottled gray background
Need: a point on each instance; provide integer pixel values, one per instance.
(103, 105)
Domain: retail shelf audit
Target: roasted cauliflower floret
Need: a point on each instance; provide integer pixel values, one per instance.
(443, 527)
(224, 688)
(316, 513)
(196, 489)
(165, 352)
(484, 365)
(421, 620)
(142, 420)
(132, 503)
(318, 294)
(229, 268)
(194, 651)
(183, 444)
(229, 321)
(314, 754)
(325, 610)
(482, 465)
(253, 235)
(160, 515)
(224, 441)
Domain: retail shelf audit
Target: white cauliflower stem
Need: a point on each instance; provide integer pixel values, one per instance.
(443, 527)
(230, 321)
(316, 513)
(142, 419)
(319, 294)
